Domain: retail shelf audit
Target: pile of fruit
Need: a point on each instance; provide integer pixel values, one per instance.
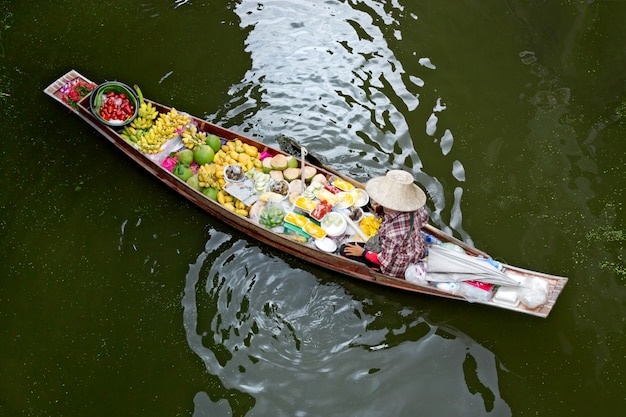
(369, 225)
(213, 159)
(114, 103)
(150, 129)
(116, 107)
(206, 159)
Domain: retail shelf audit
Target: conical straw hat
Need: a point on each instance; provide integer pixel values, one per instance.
(396, 191)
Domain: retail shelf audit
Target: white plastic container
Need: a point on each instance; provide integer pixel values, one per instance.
(334, 224)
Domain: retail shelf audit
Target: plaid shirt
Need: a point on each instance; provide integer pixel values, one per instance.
(399, 248)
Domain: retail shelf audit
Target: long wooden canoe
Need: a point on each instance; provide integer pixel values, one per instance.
(306, 250)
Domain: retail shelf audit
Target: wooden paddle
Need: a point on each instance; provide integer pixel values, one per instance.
(292, 147)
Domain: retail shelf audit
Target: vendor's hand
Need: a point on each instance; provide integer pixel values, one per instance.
(352, 249)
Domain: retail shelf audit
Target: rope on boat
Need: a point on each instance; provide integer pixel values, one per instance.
(303, 153)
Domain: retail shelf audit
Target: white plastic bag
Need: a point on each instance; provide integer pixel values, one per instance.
(534, 292)
(416, 273)
(473, 293)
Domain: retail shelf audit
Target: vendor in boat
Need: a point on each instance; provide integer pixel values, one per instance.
(399, 241)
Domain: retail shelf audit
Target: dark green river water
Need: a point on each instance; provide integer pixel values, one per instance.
(118, 297)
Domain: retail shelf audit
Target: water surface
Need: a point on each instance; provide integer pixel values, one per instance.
(120, 298)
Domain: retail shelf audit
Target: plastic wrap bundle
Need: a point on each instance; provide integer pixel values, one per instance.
(534, 292)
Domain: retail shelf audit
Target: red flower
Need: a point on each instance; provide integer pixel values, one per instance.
(73, 91)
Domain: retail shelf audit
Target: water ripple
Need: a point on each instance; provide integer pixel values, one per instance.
(275, 332)
(326, 75)
(327, 72)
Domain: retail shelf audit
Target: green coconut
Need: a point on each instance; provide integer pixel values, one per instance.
(291, 174)
(279, 162)
(292, 162)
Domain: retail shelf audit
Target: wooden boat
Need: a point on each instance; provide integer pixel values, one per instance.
(285, 242)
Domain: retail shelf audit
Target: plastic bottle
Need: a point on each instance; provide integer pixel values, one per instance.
(430, 239)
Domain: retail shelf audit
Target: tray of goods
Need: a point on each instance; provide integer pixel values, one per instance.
(305, 203)
(321, 209)
(234, 173)
(326, 195)
(280, 187)
(326, 244)
(345, 200)
(369, 224)
(334, 224)
(361, 198)
(295, 230)
(296, 219)
(342, 184)
(272, 215)
(314, 230)
(332, 189)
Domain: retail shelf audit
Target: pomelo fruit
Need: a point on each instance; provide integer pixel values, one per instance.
(214, 142)
(210, 192)
(185, 156)
(182, 171)
(193, 182)
(203, 154)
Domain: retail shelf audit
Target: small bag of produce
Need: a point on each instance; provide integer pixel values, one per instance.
(272, 215)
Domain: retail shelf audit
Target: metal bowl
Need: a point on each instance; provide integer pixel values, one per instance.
(96, 101)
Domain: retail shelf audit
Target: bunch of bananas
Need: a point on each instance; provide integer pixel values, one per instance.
(167, 127)
(231, 203)
(131, 134)
(150, 129)
(193, 137)
(210, 176)
(176, 119)
(151, 141)
(164, 129)
(145, 116)
(146, 113)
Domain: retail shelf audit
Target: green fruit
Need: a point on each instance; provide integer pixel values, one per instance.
(203, 154)
(185, 156)
(210, 192)
(214, 142)
(194, 183)
(182, 171)
(292, 162)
